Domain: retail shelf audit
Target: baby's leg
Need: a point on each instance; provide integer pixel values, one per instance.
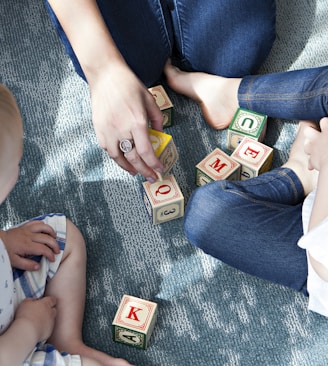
(217, 96)
(68, 286)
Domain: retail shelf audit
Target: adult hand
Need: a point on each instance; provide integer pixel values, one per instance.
(35, 238)
(122, 108)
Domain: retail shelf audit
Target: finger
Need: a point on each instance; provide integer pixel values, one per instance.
(155, 115)
(41, 249)
(47, 241)
(135, 160)
(145, 150)
(39, 226)
(25, 264)
(324, 124)
(50, 300)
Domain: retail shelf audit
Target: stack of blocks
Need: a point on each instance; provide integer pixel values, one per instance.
(134, 321)
(250, 157)
(163, 199)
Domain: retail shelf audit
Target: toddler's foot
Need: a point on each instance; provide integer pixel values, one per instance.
(217, 96)
(91, 356)
(298, 159)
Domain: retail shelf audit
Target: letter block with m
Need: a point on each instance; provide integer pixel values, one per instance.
(254, 157)
(134, 321)
(217, 166)
(246, 123)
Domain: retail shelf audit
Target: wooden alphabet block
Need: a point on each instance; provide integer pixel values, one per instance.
(163, 199)
(164, 148)
(254, 157)
(246, 123)
(134, 321)
(216, 166)
(164, 103)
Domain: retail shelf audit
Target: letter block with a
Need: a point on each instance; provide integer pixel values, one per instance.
(217, 166)
(163, 199)
(246, 123)
(254, 157)
(134, 321)
(164, 148)
(164, 103)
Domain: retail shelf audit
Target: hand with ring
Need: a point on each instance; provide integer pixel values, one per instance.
(122, 107)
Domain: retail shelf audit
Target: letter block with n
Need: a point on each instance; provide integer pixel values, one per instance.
(163, 199)
(164, 103)
(254, 157)
(246, 123)
(217, 166)
(134, 321)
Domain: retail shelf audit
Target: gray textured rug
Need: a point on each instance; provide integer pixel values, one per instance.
(209, 313)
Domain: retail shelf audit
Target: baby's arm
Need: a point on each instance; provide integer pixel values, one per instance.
(34, 322)
(316, 147)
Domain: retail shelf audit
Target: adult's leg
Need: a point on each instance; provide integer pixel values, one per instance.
(299, 94)
(252, 225)
(222, 37)
(141, 30)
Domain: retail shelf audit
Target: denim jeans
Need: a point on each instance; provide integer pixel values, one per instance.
(252, 225)
(299, 94)
(222, 37)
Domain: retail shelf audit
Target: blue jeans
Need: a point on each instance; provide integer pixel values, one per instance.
(222, 37)
(300, 94)
(252, 225)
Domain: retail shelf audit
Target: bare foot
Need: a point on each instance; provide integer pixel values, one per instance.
(298, 159)
(217, 96)
(93, 357)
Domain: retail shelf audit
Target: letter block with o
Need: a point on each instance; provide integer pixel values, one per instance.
(164, 103)
(163, 199)
(134, 321)
(246, 123)
(217, 166)
(254, 157)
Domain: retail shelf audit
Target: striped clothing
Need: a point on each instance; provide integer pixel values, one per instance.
(16, 285)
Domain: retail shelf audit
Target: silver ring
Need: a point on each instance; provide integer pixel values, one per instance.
(126, 145)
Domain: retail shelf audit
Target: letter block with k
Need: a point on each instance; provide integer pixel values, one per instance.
(163, 199)
(217, 166)
(254, 157)
(134, 321)
(164, 103)
(246, 123)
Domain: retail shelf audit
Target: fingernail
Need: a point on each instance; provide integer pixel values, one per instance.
(151, 179)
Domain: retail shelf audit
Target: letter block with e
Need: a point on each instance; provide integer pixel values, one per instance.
(164, 149)
(163, 199)
(164, 103)
(134, 321)
(246, 123)
(254, 157)
(217, 166)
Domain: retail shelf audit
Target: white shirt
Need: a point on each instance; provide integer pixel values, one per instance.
(315, 242)
(6, 290)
